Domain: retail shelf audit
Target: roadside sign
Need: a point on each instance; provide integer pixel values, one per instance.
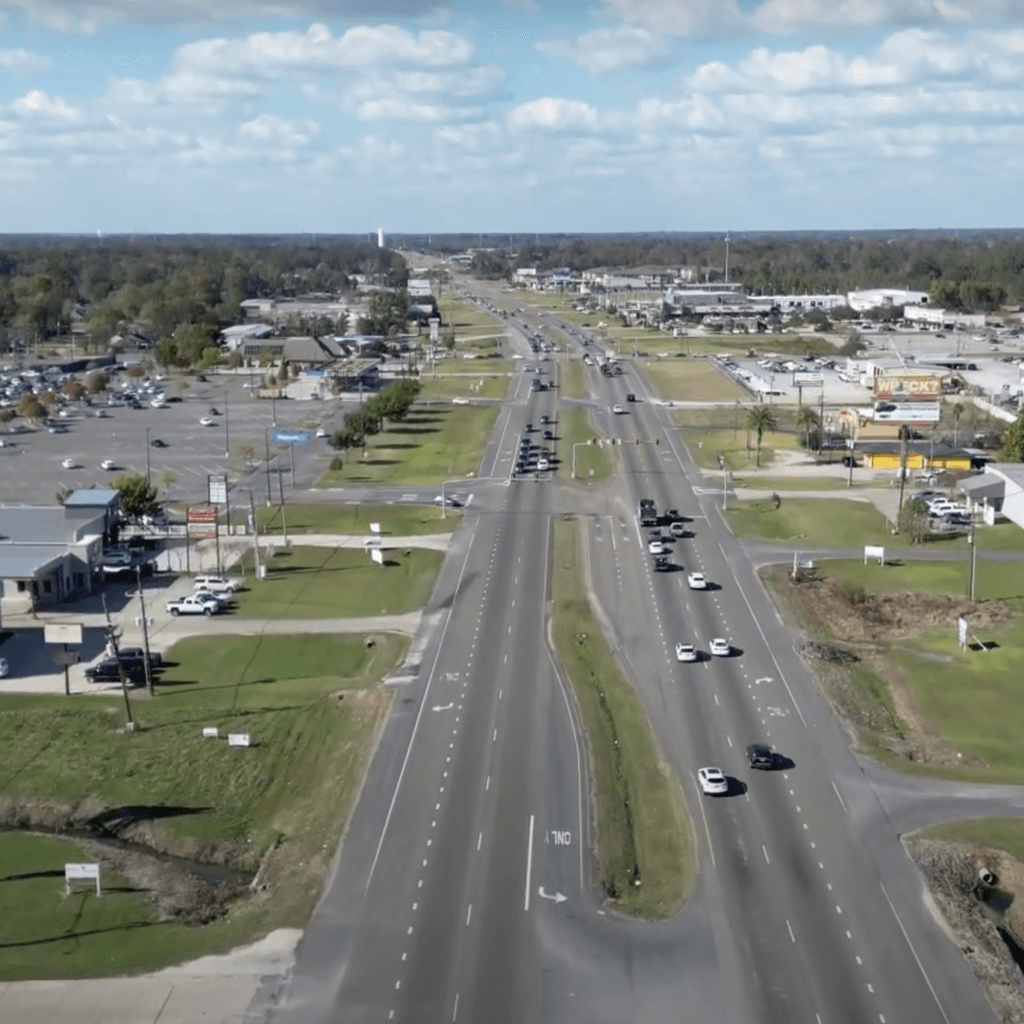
(377, 555)
(874, 552)
(81, 873)
(238, 739)
(291, 436)
(62, 632)
(907, 412)
(806, 379)
(210, 732)
(217, 488)
(962, 629)
(201, 520)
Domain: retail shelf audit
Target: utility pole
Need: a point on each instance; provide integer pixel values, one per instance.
(147, 456)
(112, 640)
(972, 541)
(145, 631)
(255, 535)
(266, 461)
(280, 487)
(904, 437)
(821, 422)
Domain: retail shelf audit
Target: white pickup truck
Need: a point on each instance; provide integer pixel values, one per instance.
(195, 604)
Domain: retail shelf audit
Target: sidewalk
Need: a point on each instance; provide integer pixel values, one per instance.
(213, 988)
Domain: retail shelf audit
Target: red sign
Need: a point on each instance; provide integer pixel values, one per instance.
(201, 520)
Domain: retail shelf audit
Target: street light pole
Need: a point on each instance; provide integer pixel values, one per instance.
(147, 456)
(227, 436)
(266, 461)
(145, 631)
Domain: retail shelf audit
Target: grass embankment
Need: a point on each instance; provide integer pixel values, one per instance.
(818, 522)
(466, 381)
(793, 483)
(917, 701)
(352, 519)
(279, 805)
(433, 444)
(997, 833)
(332, 583)
(693, 381)
(593, 462)
(708, 433)
(642, 831)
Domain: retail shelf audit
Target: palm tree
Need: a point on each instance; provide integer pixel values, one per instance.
(956, 412)
(760, 419)
(806, 419)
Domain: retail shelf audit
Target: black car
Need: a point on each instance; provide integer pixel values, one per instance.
(157, 443)
(107, 671)
(137, 654)
(759, 755)
(548, 435)
(661, 563)
(671, 516)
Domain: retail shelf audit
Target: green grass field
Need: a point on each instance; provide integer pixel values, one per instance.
(395, 520)
(780, 483)
(997, 833)
(640, 825)
(692, 381)
(331, 583)
(289, 793)
(706, 445)
(593, 463)
(460, 367)
(824, 522)
(435, 443)
(485, 384)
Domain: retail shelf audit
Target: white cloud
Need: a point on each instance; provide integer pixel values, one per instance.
(692, 18)
(608, 50)
(39, 106)
(552, 114)
(269, 128)
(22, 60)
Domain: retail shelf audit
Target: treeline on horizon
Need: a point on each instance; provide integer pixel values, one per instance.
(171, 284)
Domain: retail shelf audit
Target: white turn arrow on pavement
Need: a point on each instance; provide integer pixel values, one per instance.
(557, 897)
(442, 707)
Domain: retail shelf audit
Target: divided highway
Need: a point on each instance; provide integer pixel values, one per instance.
(464, 890)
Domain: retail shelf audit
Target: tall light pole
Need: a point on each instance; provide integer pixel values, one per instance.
(145, 631)
(227, 436)
(147, 456)
(266, 460)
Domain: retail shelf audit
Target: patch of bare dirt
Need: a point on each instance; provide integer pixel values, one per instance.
(850, 629)
(976, 911)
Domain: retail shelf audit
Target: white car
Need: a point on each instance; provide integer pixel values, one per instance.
(68, 464)
(107, 464)
(4, 667)
(195, 604)
(686, 652)
(655, 547)
(447, 500)
(677, 530)
(712, 781)
(720, 647)
(617, 409)
(321, 432)
(217, 584)
(207, 421)
(697, 581)
(543, 465)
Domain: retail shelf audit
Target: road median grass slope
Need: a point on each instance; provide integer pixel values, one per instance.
(593, 462)
(255, 827)
(352, 520)
(642, 833)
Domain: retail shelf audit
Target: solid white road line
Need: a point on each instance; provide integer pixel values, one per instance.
(529, 864)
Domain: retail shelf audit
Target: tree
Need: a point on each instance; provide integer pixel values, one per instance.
(75, 390)
(956, 412)
(166, 480)
(97, 382)
(246, 452)
(138, 496)
(30, 408)
(761, 419)
(47, 399)
(806, 420)
(234, 360)
(1013, 442)
(913, 521)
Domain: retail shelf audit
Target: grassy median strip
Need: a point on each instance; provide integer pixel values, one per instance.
(593, 462)
(644, 844)
(825, 522)
(335, 583)
(354, 520)
(312, 709)
(693, 380)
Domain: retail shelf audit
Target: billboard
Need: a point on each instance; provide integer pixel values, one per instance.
(907, 412)
(806, 379)
(201, 520)
(290, 436)
(217, 488)
(62, 632)
(908, 387)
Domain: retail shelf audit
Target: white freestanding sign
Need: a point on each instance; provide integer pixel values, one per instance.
(81, 873)
(238, 739)
(377, 555)
(374, 527)
(873, 552)
(210, 732)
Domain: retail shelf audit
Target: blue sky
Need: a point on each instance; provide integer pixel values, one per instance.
(510, 115)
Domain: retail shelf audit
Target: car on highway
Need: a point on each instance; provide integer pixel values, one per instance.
(195, 604)
(655, 547)
(107, 464)
(697, 581)
(321, 432)
(759, 755)
(447, 500)
(720, 647)
(206, 421)
(543, 465)
(548, 435)
(677, 530)
(68, 464)
(712, 781)
(686, 652)
(617, 409)
(157, 443)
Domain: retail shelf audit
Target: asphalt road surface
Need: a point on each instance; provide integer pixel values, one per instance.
(464, 886)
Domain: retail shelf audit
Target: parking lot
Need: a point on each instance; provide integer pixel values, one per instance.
(31, 470)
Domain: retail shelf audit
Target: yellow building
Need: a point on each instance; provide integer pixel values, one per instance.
(920, 455)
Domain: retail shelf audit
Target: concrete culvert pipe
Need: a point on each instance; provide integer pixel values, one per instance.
(986, 876)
